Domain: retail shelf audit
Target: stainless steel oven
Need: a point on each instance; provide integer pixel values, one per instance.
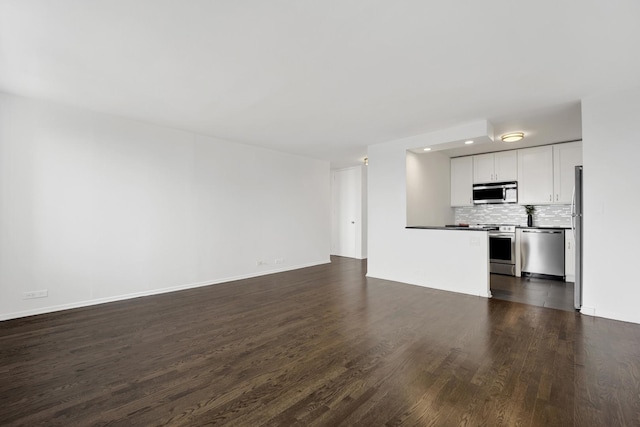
(502, 250)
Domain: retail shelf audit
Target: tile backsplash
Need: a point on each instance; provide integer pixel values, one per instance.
(543, 216)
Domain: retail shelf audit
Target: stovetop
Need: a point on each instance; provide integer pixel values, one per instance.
(495, 227)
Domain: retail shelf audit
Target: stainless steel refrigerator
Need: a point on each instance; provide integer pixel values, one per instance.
(577, 226)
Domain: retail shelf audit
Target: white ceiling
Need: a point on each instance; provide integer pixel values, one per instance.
(321, 78)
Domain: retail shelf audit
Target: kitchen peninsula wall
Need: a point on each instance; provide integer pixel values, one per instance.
(543, 216)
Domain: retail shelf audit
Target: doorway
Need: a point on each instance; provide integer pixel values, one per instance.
(348, 212)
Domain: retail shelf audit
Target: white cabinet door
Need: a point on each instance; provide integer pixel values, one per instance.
(495, 167)
(483, 168)
(569, 256)
(506, 166)
(461, 181)
(535, 176)
(565, 158)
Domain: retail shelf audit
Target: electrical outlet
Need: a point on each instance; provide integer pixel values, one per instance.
(279, 261)
(261, 262)
(42, 293)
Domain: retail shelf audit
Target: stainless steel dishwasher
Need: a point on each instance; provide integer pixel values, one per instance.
(542, 251)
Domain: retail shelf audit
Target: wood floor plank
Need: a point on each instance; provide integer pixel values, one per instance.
(320, 346)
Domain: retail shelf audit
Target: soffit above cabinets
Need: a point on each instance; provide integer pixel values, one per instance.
(542, 127)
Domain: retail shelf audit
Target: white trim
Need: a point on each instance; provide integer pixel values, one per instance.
(481, 295)
(589, 311)
(43, 310)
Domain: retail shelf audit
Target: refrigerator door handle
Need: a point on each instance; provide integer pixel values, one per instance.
(577, 216)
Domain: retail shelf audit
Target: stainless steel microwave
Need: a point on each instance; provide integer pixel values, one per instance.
(495, 192)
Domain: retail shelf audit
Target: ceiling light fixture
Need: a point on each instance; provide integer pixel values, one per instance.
(468, 142)
(427, 149)
(512, 137)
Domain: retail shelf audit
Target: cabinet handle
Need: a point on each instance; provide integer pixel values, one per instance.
(557, 197)
(550, 198)
(496, 177)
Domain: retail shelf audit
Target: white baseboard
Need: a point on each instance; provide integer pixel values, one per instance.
(589, 311)
(483, 294)
(87, 303)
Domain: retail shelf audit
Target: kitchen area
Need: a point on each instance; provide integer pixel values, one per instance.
(528, 202)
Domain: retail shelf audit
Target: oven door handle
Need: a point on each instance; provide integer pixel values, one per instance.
(509, 235)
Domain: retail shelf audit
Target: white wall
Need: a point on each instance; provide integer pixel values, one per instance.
(611, 153)
(445, 259)
(96, 208)
(365, 212)
(428, 189)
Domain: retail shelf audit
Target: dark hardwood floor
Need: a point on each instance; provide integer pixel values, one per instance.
(318, 346)
(534, 291)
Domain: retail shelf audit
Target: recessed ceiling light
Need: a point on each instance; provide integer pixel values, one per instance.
(468, 142)
(427, 149)
(512, 137)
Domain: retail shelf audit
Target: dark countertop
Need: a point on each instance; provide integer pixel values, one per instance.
(433, 227)
(524, 227)
(541, 227)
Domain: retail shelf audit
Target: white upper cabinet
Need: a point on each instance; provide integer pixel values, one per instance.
(483, 168)
(461, 181)
(565, 158)
(546, 174)
(495, 167)
(506, 166)
(535, 175)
